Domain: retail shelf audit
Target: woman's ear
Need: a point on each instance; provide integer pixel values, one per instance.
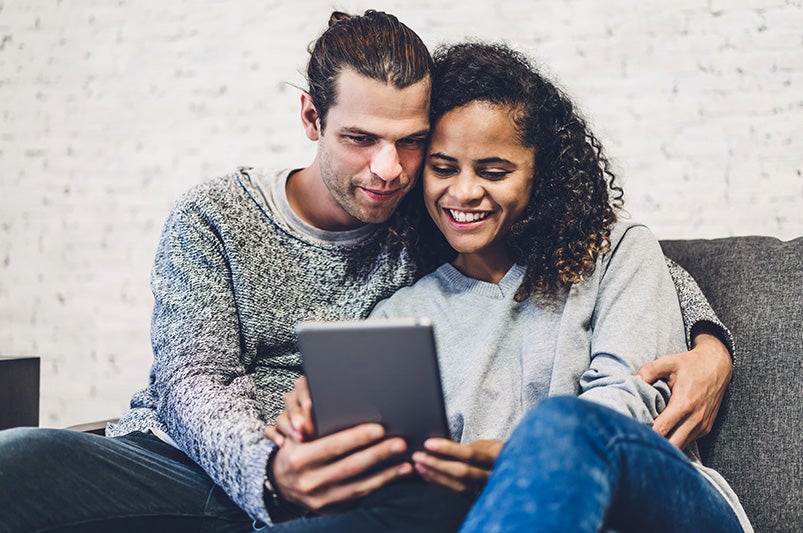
(309, 118)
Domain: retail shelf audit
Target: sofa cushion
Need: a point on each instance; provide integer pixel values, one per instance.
(755, 284)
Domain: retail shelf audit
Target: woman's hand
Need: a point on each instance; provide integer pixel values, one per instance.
(461, 467)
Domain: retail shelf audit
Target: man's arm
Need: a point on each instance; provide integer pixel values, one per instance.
(206, 397)
(698, 378)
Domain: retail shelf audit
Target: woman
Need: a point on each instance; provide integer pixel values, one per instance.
(546, 293)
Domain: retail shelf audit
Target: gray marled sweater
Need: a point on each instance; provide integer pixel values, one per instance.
(234, 272)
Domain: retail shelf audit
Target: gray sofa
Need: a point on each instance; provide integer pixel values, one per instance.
(755, 284)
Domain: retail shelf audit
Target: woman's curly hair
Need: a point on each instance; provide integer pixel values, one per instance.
(567, 221)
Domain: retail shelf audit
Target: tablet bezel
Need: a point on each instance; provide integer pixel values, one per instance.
(375, 370)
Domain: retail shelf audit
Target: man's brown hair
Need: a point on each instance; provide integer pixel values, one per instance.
(375, 45)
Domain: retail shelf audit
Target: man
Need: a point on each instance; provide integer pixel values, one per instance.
(242, 259)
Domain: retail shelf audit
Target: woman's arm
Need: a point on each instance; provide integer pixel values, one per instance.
(636, 318)
(698, 378)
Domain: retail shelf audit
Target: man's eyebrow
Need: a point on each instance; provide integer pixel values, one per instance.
(422, 133)
(353, 130)
(356, 131)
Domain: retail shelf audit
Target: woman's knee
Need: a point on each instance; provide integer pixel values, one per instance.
(562, 412)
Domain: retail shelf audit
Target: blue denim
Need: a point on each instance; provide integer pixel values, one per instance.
(574, 466)
(57, 480)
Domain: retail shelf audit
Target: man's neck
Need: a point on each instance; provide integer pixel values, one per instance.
(311, 201)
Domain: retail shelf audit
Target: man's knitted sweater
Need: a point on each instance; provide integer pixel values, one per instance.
(234, 272)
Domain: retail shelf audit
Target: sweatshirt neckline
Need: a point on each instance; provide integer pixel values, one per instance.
(273, 188)
(505, 288)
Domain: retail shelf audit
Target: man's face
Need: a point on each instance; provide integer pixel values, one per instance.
(373, 146)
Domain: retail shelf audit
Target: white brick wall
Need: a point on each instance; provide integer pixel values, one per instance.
(108, 110)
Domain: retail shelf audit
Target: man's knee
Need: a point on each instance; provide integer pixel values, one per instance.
(17, 444)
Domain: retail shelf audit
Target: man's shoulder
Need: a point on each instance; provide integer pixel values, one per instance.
(210, 190)
(236, 190)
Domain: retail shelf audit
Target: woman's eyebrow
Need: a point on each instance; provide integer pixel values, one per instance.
(441, 155)
(487, 160)
(483, 161)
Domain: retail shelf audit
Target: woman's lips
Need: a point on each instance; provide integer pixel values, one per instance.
(463, 218)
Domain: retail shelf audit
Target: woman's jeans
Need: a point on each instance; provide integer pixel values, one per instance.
(68, 482)
(572, 465)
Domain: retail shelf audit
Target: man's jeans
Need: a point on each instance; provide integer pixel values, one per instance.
(572, 465)
(65, 481)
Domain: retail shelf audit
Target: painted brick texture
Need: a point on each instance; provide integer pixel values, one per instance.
(108, 110)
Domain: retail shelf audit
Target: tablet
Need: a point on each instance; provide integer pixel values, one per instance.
(375, 370)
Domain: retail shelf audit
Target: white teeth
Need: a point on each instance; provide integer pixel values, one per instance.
(463, 216)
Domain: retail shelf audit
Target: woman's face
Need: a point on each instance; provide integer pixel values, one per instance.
(477, 178)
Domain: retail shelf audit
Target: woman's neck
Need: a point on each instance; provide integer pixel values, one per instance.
(484, 266)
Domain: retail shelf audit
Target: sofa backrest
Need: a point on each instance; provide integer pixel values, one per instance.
(755, 284)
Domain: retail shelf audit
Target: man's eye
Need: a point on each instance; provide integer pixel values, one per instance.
(412, 143)
(360, 139)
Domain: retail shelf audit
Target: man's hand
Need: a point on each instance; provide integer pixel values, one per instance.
(296, 420)
(332, 469)
(324, 472)
(460, 467)
(698, 379)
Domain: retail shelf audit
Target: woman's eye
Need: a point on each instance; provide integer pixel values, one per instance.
(493, 175)
(442, 171)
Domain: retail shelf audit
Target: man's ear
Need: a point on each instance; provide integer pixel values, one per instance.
(309, 118)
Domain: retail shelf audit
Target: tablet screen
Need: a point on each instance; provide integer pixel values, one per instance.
(375, 370)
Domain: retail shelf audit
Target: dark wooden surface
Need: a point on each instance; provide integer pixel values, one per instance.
(19, 392)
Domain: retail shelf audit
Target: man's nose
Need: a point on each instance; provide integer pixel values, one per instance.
(385, 163)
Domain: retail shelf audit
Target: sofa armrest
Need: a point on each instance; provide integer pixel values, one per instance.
(98, 428)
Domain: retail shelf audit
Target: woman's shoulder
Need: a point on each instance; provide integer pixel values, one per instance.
(630, 236)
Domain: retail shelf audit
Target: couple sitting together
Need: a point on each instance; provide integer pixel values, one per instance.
(465, 189)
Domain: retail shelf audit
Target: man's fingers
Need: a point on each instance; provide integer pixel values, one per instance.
(305, 405)
(663, 367)
(684, 434)
(322, 472)
(285, 427)
(668, 419)
(343, 479)
(274, 435)
(357, 463)
(358, 488)
(344, 441)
